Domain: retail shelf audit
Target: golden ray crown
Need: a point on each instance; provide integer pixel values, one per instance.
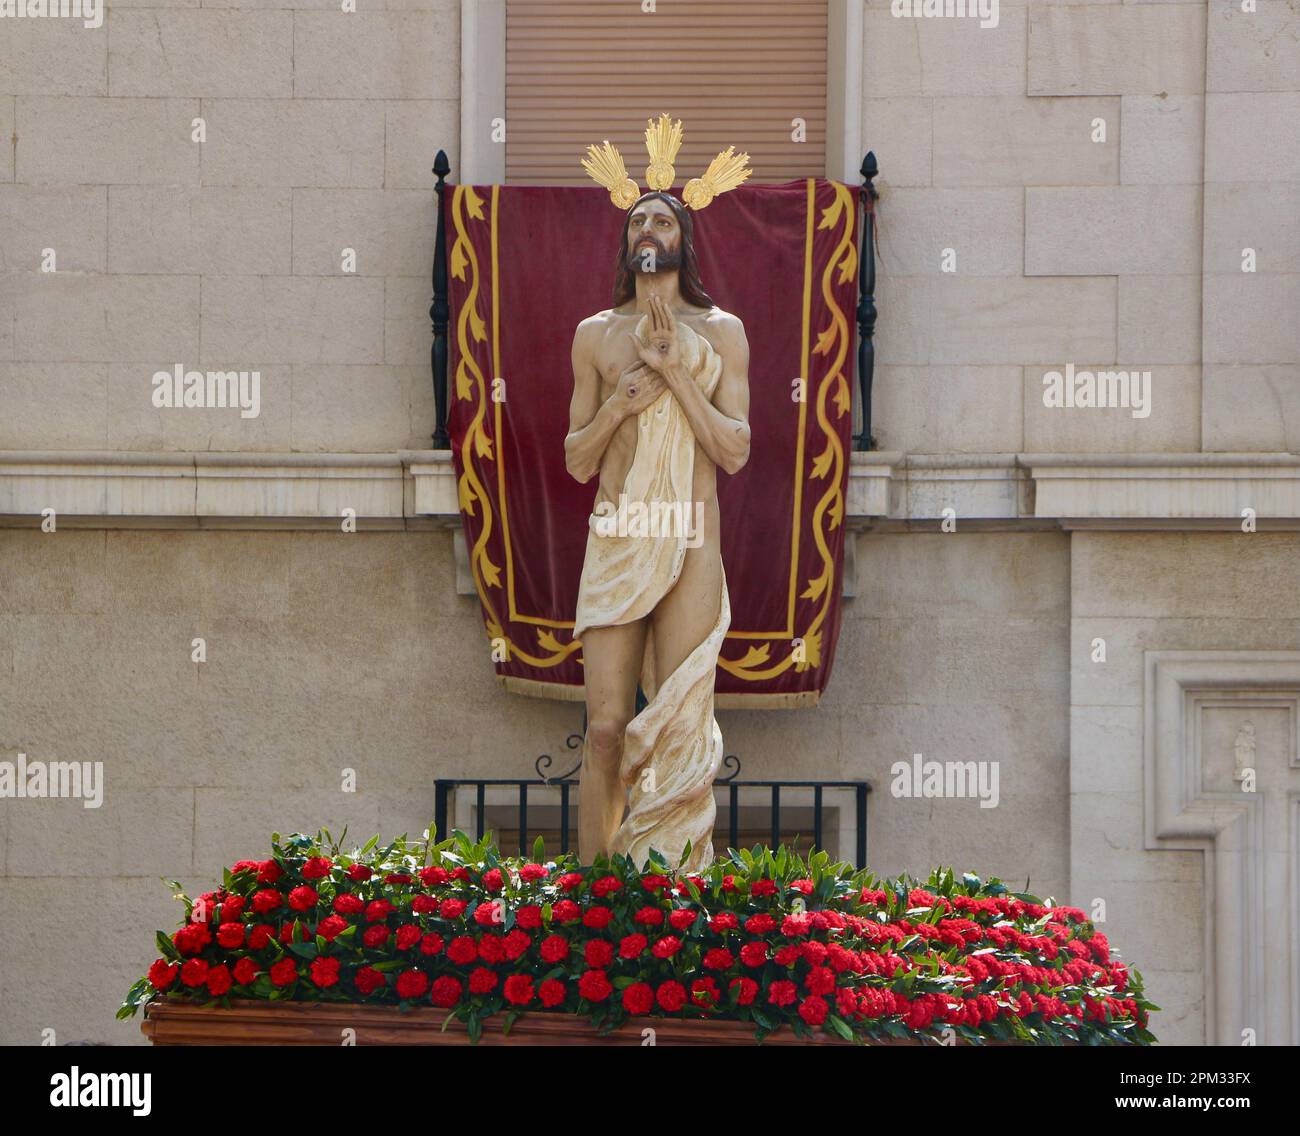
(663, 138)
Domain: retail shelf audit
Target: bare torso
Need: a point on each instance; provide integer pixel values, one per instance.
(613, 352)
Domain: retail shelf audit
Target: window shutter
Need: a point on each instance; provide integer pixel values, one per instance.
(736, 72)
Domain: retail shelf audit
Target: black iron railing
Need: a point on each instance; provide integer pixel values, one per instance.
(729, 809)
(440, 309)
(867, 299)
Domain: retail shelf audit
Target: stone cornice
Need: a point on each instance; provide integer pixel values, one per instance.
(417, 488)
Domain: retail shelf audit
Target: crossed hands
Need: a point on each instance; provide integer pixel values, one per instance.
(644, 381)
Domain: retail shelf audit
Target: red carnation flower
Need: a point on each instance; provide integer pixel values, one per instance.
(805, 886)
(654, 883)
(705, 992)
(408, 934)
(452, 908)
(724, 921)
(813, 1010)
(369, 980)
(375, 936)
(747, 992)
(268, 871)
(518, 989)
(378, 909)
(631, 946)
(551, 992)
(533, 872)
(489, 913)
(462, 950)
(594, 985)
(598, 953)
(681, 918)
(649, 916)
(762, 887)
(812, 952)
(517, 942)
(605, 885)
(243, 866)
(445, 992)
(718, 959)
(317, 868)
(554, 948)
(192, 938)
(820, 980)
(666, 947)
(782, 993)
(493, 880)
(671, 995)
(268, 899)
(461, 873)
(330, 927)
(433, 876)
(639, 998)
(569, 881)
(482, 980)
(246, 971)
(194, 972)
(754, 954)
(324, 971)
(259, 936)
(431, 944)
(760, 924)
(425, 905)
(284, 972)
(232, 907)
(162, 974)
(565, 911)
(491, 948)
(219, 980)
(397, 878)
(795, 924)
(412, 984)
(359, 872)
(345, 903)
(303, 898)
(529, 917)
(597, 918)
(231, 935)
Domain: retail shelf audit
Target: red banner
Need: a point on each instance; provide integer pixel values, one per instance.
(527, 264)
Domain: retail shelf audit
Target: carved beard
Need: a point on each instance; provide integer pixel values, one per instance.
(664, 261)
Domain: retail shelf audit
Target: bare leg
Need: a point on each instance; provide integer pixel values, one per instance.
(688, 612)
(612, 663)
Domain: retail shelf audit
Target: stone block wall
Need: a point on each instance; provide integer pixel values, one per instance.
(319, 128)
(1077, 185)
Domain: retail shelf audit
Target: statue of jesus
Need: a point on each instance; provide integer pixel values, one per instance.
(660, 404)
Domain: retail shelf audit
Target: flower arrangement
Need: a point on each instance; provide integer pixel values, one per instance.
(762, 936)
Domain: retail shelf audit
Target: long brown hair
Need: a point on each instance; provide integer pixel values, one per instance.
(688, 272)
